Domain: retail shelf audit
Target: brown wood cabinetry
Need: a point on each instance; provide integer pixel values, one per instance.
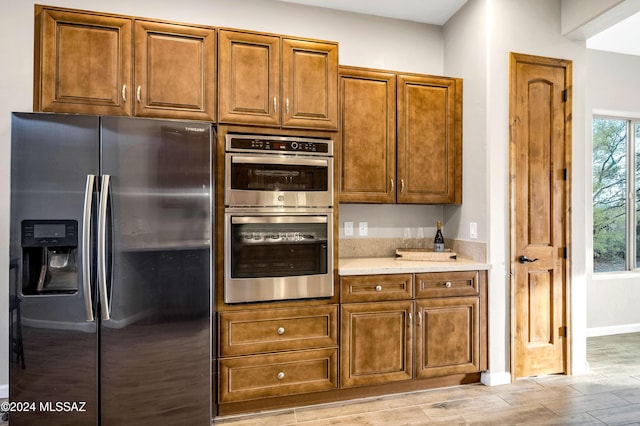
(269, 80)
(376, 344)
(174, 71)
(440, 333)
(85, 64)
(277, 352)
(401, 137)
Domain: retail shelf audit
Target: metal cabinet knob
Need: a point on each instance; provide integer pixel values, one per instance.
(447, 284)
(378, 287)
(280, 330)
(281, 375)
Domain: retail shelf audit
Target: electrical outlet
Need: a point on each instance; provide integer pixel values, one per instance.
(363, 229)
(473, 230)
(348, 229)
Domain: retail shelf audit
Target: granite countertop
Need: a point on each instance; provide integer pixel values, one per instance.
(391, 265)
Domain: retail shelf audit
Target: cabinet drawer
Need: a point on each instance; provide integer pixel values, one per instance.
(259, 331)
(289, 373)
(447, 284)
(373, 288)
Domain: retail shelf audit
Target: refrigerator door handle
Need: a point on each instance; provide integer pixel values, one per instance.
(86, 246)
(102, 248)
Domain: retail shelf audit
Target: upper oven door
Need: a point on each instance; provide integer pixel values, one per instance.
(258, 180)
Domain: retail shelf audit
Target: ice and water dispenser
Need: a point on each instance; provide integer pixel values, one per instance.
(49, 257)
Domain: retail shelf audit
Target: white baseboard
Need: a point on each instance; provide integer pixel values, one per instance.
(494, 379)
(4, 391)
(614, 329)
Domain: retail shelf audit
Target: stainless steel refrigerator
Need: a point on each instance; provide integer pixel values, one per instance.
(111, 271)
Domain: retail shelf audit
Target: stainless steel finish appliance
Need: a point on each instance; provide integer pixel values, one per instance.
(278, 255)
(278, 171)
(278, 218)
(110, 284)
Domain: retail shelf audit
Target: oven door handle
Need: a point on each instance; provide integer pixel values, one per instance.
(277, 159)
(278, 219)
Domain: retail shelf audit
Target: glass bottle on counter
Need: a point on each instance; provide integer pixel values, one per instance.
(438, 241)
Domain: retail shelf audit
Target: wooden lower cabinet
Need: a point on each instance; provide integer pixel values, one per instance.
(376, 344)
(288, 373)
(447, 336)
(442, 332)
(268, 353)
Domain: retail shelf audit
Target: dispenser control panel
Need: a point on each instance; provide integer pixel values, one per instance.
(49, 233)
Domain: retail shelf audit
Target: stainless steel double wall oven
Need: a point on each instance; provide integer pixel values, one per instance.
(278, 218)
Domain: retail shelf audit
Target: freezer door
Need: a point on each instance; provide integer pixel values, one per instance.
(53, 340)
(156, 340)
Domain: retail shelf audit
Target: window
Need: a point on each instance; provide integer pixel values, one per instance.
(616, 182)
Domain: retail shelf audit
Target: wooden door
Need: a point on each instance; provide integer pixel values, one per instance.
(429, 156)
(174, 71)
(447, 336)
(368, 135)
(84, 63)
(309, 84)
(540, 193)
(248, 78)
(376, 343)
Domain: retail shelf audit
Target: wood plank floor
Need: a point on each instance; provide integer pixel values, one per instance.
(609, 394)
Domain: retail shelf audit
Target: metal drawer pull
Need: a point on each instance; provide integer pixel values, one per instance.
(378, 287)
(124, 93)
(281, 375)
(410, 319)
(419, 319)
(391, 185)
(275, 105)
(138, 94)
(447, 284)
(280, 330)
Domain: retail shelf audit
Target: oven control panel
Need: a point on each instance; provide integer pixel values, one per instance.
(279, 144)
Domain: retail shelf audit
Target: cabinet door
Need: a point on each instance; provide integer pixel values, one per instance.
(429, 157)
(84, 63)
(376, 343)
(309, 84)
(447, 336)
(368, 136)
(174, 71)
(248, 78)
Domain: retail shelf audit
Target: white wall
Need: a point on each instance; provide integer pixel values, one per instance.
(612, 88)
(364, 41)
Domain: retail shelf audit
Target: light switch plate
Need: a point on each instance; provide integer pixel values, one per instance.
(473, 230)
(348, 229)
(363, 229)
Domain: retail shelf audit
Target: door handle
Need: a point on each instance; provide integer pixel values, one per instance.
(525, 259)
(102, 249)
(86, 247)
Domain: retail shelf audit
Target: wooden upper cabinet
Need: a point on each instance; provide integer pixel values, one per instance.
(429, 154)
(309, 84)
(265, 80)
(368, 135)
(174, 71)
(248, 78)
(83, 63)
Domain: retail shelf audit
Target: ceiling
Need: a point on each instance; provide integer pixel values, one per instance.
(621, 38)
(436, 12)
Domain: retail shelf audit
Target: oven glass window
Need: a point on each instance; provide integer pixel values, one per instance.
(278, 249)
(279, 177)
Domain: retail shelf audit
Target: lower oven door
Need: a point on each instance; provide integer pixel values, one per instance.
(278, 255)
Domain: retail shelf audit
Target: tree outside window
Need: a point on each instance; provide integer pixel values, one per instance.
(616, 173)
